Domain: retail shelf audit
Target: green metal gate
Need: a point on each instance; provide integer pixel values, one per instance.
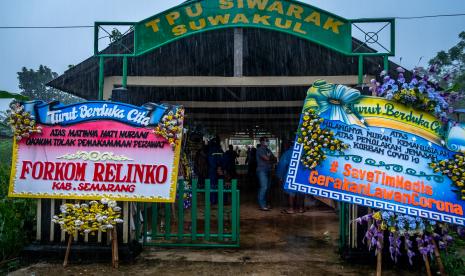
(203, 224)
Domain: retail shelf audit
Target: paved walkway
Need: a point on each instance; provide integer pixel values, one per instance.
(271, 244)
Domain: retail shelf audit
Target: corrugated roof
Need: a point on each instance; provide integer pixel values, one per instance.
(266, 53)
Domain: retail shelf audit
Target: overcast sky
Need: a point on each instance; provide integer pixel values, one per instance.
(58, 48)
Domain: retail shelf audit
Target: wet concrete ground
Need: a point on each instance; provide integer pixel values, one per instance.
(272, 243)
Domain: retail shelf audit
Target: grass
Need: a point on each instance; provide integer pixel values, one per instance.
(5, 150)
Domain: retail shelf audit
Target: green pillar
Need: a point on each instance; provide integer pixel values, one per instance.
(343, 218)
(386, 63)
(101, 78)
(360, 69)
(125, 71)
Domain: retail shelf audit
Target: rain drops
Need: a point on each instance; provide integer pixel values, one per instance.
(170, 126)
(315, 140)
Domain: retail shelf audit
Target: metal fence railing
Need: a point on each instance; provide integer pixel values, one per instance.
(202, 216)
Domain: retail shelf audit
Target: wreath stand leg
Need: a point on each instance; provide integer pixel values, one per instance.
(438, 257)
(70, 240)
(428, 268)
(379, 260)
(114, 248)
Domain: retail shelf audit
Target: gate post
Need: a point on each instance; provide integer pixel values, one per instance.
(343, 215)
(360, 69)
(101, 77)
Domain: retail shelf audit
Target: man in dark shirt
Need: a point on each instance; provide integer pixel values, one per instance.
(230, 157)
(265, 159)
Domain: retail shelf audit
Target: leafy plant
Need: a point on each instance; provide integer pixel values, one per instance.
(9, 95)
(450, 65)
(453, 259)
(5, 151)
(17, 218)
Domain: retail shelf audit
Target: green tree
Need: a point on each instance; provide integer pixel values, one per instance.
(450, 65)
(33, 84)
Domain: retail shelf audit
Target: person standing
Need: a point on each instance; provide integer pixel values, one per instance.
(215, 166)
(201, 165)
(249, 148)
(265, 160)
(296, 201)
(251, 162)
(230, 157)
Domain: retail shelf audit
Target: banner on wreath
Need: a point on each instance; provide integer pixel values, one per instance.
(96, 149)
(387, 164)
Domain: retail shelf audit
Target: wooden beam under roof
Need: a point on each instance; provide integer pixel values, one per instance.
(214, 81)
(243, 104)
(241, 116)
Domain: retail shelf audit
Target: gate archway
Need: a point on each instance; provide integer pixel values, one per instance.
(234, 65)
